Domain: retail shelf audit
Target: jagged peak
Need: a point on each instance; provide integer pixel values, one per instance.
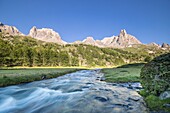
(48, 30)
(46, 34)
(1, 24)
(123, 32)
(165, 45)
(34, 27)
(10, 30)
(89, 38)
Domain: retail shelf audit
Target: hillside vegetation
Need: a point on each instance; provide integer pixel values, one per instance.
(26, 51)
(155, 79)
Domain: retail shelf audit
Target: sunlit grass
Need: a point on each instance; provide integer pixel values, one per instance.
(125, 73)
(24, 75)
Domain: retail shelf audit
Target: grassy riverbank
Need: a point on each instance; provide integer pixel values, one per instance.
(154, 103)
(23, 75)
(125, 73)
(131, 73)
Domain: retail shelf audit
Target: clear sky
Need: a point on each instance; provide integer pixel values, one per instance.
(148, 20)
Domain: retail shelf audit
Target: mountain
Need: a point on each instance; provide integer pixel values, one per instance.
(91, 41)
(107, 40)
(123, 40)
(46, 34)
(165, 45)
(10, 30)
(120, 41)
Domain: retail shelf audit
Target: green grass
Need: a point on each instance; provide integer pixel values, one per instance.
(18, 76)
(125, 73)
(154, 103)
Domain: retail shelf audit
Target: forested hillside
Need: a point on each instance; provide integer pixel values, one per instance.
(26, 51)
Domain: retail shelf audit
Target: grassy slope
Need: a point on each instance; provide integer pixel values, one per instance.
(18, 76)
(125, 73)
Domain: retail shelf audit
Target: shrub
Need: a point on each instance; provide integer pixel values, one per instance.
(155, 75)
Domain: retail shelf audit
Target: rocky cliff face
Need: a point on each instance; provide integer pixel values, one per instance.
(165, 45)
(123, 40)
(46, 34)
(10, 30)
(120, 41)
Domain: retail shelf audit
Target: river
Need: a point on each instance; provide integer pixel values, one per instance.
(79, 92)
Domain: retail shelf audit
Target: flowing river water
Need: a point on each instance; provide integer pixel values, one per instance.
(79, 92)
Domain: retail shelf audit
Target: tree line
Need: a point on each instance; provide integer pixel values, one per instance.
(26, 51)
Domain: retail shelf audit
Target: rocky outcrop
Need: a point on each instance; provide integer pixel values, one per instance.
(46, 34)
(107, 40)
(165, 45)
(165, 95)
(155, 75)
(89, 40)
(10, 30)
(153, 44)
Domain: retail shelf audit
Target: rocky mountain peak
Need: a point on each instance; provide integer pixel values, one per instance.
(1, 24)
(10, 30)
(34, 28)
(89, 40)
(120, 41)
(123, 32)
(46, 34)
(165, 45)
(107, 40)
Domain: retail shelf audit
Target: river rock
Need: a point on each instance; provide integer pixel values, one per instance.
(102, 99)
(165, 95)
(102, 79)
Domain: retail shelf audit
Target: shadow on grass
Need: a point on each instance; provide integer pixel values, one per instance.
(124, 73)
(132, 65)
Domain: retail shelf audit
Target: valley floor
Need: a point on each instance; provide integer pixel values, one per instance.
(20, 75)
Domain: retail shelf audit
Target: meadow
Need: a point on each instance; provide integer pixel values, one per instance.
(23, 75)
(124, 73)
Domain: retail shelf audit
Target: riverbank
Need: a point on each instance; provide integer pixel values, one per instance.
(131, 73)
(13, 76)
(18, 75)
(124, 73)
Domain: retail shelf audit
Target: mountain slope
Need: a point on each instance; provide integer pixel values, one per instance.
(27, 51)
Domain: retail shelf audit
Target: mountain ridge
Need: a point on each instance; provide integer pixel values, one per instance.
(49, 35)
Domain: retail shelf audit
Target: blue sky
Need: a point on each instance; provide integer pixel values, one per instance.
(148, 20)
